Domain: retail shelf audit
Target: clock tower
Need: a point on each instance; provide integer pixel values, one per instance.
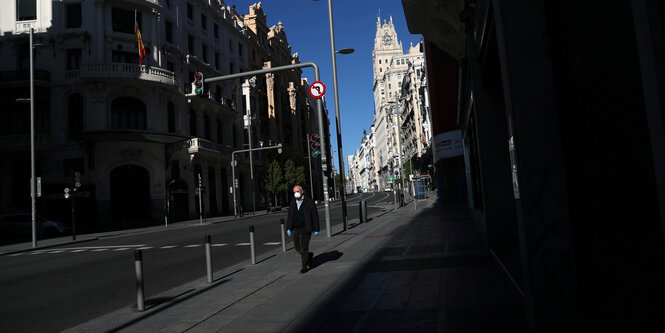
(386, 46)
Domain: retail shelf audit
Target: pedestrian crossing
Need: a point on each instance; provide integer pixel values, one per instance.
(116, 248)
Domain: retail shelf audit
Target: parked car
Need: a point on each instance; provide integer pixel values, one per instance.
(387, 189)
(20, 225)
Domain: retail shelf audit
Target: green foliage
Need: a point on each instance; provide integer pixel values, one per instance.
(289, 174)
(406, 169)
(274, 179)
(301, 178)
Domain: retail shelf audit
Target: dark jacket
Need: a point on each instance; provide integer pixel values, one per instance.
(310, 213)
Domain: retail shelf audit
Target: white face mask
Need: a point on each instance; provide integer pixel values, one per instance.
(297, 195)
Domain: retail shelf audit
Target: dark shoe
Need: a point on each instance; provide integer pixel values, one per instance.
(309, 259)
(304, 270)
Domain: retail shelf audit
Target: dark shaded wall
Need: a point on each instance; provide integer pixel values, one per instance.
(613, 199)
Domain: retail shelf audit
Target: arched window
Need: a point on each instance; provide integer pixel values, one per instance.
(75, 113)
(170, 109)
(192, 123)
(128, 113)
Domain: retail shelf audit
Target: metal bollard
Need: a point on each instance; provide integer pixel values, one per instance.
(363, 211)
(138, 265)
(281, 222)
(251, 244)
(208, 259)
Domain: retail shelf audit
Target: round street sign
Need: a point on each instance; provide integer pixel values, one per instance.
(317, 89)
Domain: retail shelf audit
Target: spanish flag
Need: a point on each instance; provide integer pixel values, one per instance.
(139, 44)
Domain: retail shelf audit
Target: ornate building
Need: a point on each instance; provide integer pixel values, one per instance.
(128, 128)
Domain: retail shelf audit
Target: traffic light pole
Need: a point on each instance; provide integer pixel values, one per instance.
(319, 107)
(233, 170)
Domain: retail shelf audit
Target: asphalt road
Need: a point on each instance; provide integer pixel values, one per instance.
(52, 289)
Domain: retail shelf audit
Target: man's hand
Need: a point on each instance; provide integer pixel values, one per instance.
(288, 232)
(316, 233)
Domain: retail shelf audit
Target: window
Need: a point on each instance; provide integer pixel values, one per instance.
(124, 57)
(73, 59)
(216, 60)
(26, 10)
(168, 26)
(381, 70)
(215, 30)
(402, 61)
(389, 86)
(170, 110)
(204, 22)
(239, 49)
(232, 68)
(417, 72)
(73, 15)
(383, 92)
(75, 113)
(204, 52)
(219, 131)
(230, 46)
(206, 127)
(190, 11)
(122, 20)
(192, 123)
(399, 76)
(190, 44)
(170, 66)
(379, 61)
(128, 113)
(399, 84)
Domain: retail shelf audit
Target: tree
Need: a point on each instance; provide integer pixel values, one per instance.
(274, 180)
(301, 178)
(289, 176)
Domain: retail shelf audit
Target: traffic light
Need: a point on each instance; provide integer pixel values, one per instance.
(396, 173)
(197, 85)
(314, 142)
(77, 179)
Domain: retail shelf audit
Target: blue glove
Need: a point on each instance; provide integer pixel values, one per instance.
(316, 233)
(288, 232)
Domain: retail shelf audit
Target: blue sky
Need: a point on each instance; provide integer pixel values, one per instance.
(307, 30)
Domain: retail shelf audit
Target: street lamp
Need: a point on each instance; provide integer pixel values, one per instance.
(337, 118)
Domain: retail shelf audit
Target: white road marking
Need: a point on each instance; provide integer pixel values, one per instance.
(168, 247)
(56, 251)
(15, 255)
(242, 244)
(98, 250)
(145, 248)
(221, 244)
(193, 245)
(273, 243)
(121, 249)
(100, 247)
(79, 250)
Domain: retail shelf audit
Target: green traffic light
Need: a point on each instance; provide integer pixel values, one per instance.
(391, 178)
(315, 153)
(198, 91)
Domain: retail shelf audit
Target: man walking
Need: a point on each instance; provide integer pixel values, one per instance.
(303, 219)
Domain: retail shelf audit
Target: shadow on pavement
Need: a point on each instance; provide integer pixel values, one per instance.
(325, 257)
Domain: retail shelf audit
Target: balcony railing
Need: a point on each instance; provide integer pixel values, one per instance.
(22, 141)
(24, 75)
(122, 70)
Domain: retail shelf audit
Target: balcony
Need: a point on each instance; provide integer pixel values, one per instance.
(126, 71)
(24, 75)
(22, 141)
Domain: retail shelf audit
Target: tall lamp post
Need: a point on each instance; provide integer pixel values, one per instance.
(336, 95)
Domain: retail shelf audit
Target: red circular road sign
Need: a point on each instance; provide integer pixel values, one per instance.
(317, 89)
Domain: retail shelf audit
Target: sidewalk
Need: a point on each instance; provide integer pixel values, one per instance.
(419, 270)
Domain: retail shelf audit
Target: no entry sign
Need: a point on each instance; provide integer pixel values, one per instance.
(317, 89)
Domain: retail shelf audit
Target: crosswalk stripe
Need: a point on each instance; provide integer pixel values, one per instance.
(168, 247)
(193, 245)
